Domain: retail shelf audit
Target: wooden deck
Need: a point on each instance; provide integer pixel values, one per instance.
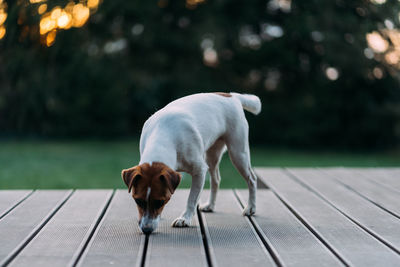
(307, 217)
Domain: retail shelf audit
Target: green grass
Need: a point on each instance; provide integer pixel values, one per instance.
(98, 164)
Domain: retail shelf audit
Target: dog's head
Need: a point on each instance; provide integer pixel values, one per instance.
(152, 187)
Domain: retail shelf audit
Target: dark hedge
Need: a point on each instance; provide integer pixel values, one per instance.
(133, 57)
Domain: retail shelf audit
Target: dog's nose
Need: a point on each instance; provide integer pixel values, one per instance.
(148, 225)
(147, 230)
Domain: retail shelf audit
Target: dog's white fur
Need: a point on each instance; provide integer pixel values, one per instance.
(191, 134)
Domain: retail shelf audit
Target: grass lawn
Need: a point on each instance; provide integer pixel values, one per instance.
(98, 164)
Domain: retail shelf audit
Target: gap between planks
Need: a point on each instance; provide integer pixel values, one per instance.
(307, 224)
(322, 198)
(7, 211)
(355, 221)
(13, 254)
(89, 235)
(259, 232)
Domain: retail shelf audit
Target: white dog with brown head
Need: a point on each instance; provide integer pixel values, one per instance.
(190, 135)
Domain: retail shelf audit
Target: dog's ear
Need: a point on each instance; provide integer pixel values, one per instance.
(131, 176)
(171, 179)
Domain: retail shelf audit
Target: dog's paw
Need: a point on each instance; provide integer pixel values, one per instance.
(180, 222)
(248, 211)
(207, 208)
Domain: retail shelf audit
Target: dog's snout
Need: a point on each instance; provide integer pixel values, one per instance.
(147, 228)
(148, 225)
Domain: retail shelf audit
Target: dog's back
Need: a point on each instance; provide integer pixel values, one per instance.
(248, 102)
(201, 114)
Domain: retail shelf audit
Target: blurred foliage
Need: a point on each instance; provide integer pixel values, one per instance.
(320, 83)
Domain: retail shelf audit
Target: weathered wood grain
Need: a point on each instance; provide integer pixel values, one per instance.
(23, 222)
(375, 220)
(65, 231)
(346, 239)
(10, 198)
(293, 243)
(361, 181)
(232, 240)
(170, 246)
(117, 240)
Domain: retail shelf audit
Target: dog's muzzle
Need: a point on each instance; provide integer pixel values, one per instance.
(148, 224)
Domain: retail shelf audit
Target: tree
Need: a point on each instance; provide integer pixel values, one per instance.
(321, 82)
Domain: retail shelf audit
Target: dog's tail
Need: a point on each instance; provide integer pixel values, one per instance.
(250, 103)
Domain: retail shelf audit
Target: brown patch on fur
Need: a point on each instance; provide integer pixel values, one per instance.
(223, 94)
(162, 181)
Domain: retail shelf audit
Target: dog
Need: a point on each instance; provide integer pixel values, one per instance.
(190, 135)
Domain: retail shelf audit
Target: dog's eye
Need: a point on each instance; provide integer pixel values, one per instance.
(141, 203)
(158, 204)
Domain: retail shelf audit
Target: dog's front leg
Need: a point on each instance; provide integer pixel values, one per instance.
(197, 185)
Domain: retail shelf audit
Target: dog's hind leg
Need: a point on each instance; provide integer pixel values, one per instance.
(239, 153)
(213, 158)
(241, 160)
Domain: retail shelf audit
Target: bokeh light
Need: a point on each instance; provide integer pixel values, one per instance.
(392, 58)
(2, 31)
(376, 42)
(52, 19)
(192, 4)
(386, 45)
(64, 20)
(3, 18)
(80, 14)
(42, 8)
(283, 5)
(378, 72)
(56, 13)
(210, 57)
(332, 73)
(47, 24)
(51, 38)
(36, 1)
(92, 4)
(72, 15)
(378, 2)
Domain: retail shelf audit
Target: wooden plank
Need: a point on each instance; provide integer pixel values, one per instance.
(117, 240)
(388, 177)
(23, 222)
(346, 239)
(358, 181)
(231, 238)
(10, 198)
(66, 231)
(375, 220)
(170, 246)
(293, 243)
